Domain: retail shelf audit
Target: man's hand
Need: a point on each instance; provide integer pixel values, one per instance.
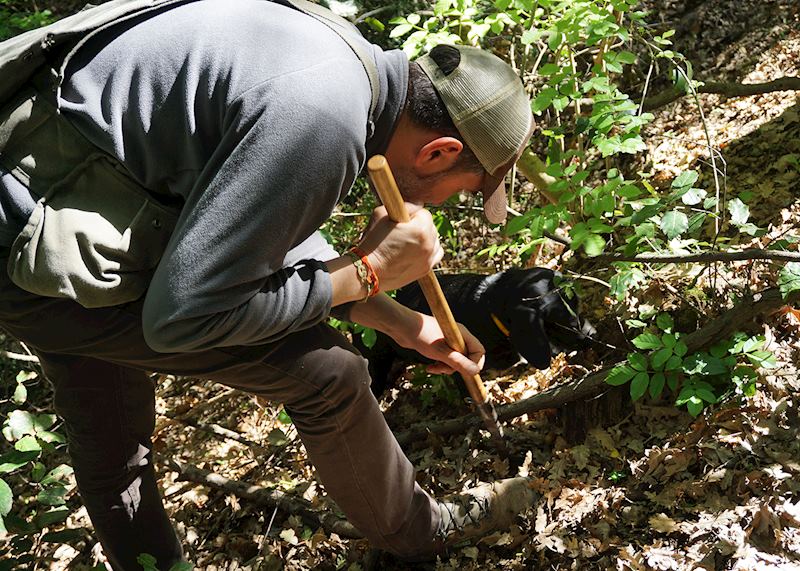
(429, 342)
(421, 333)
(401, 252)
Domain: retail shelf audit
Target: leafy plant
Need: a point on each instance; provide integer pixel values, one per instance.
(574, 57)
(39, 503)
(15, 19)
(436, 388)
(698, 379)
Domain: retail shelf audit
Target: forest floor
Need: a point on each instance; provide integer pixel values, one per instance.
(658, 489)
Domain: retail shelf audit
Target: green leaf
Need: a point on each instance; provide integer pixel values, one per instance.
(284, 417)
(739, 212)
(594, 244)
(57, 474)
(647, 341)
(277, 437)
(660, 358)
(6, 497)
(704, 364)
(42, 422)
(441, 6)
(48, 518)
(10, 461)
(673, 363)
(20, 423)
(626, 57)
(147, 561)
(638, 361)
(657, 385)
(369, 337)
(639, 385)
(706, 395)
(20, 394)
(549, 69)
(63, 536)
(680, 349)
(23, 376)
(669, 340)
(400, 30)
(693, 196)
(531, 35)
(695, 407)
(28, 444)
(544, 99)
(620, 375)
(672, 381)
(674, 223)
(554, 41)
(686, 178)
(38, 471)
(632, 145)
(665, 322)
(52, 496)
(789, 279)
(764, 359)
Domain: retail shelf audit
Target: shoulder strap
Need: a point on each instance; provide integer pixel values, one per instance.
(346, 30)
(22, 56)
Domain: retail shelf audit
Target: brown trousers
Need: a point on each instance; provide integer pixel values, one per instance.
(97, 361)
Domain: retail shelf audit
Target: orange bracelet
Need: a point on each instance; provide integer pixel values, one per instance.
(366, 273)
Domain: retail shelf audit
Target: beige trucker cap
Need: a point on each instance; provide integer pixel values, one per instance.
(488, 105)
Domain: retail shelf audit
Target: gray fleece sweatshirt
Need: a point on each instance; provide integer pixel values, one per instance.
(255, 115)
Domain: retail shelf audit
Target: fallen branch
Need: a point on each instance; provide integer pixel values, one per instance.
(217, 430)
(267, 498)
(723, 88)
(751, 254)
(594, 384)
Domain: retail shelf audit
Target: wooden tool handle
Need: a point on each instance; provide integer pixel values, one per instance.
(382, 178)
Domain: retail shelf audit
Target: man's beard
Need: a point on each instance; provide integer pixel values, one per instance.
(412, 187)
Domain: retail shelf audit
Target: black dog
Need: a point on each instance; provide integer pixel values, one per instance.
(515, 313)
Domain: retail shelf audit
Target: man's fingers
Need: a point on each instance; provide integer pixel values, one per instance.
(461, 363)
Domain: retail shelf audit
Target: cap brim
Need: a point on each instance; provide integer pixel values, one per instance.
(494, 198)
(495, 204)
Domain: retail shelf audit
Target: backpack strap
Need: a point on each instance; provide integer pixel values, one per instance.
(347, 31)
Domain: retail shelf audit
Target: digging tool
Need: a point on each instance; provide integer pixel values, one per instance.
(385, 185)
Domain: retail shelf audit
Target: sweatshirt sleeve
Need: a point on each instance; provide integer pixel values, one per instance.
(240, 268)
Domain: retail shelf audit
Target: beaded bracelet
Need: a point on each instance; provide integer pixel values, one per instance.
(366, 273)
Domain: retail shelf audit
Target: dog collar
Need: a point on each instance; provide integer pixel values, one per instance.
(503, 329)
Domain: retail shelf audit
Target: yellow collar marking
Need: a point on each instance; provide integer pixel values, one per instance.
(503, 329)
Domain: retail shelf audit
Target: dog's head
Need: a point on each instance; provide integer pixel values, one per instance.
(539, 316)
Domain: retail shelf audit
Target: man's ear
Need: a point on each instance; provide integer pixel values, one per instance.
(529, 337)
(437, 155)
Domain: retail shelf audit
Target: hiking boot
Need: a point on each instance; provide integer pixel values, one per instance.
(481, 510)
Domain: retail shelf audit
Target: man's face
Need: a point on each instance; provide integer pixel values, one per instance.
(435, 189)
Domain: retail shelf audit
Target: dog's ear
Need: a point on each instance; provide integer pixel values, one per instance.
(529, 337)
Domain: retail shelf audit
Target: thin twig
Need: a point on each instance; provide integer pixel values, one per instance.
(750, 254)
(19, 357)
